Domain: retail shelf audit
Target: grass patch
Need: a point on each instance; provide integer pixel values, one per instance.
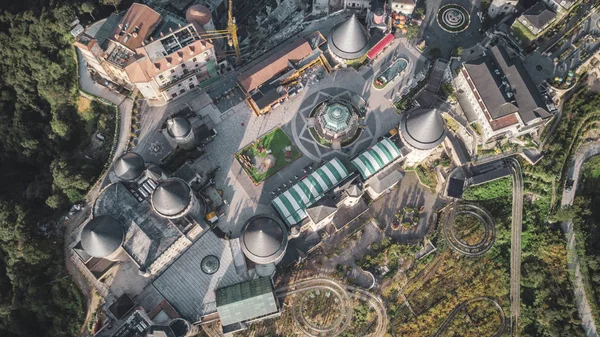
(83, 104)
(359, 62)
(275, 141)
(491, 190)
(522, 33)
(477, 128)
(426, 176)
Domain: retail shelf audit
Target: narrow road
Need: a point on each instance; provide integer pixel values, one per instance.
(515, 246)
(124, 104)
(583, 306)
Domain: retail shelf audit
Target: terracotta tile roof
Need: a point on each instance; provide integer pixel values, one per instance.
(503, 122)
(135, 26)
(273, 65)
(144, 69)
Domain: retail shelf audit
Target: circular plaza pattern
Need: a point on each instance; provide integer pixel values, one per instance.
(469, 229)
(335, 120)
(453, 18)
(305, 124)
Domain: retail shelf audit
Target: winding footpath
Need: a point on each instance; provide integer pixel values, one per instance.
(583, 307)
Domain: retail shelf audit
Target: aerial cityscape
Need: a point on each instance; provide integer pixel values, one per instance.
(281, 168)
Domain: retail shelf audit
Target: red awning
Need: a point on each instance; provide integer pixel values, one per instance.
(380, 45)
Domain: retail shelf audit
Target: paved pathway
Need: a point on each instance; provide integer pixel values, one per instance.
(239, 126)
(583, 306)
(123, 103)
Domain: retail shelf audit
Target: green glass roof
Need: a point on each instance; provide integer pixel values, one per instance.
(245, 301)
(336, 117)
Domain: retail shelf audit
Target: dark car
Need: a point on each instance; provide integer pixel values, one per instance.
(569, 185)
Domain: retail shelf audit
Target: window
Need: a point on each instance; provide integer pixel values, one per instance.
(161, 77)
(195, 59)
(179, 85)
(197, 65)
(172, 71)
(192, 85)
(173, 95)
(181, 91)
(185, 71)
(183, 65)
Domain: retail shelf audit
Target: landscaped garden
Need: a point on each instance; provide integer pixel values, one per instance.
(267, 155)
(522, 33)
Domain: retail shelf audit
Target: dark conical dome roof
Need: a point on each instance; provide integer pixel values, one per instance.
(264, 239)
(102, 236)
(129, 166)
(349, 39)
(171, 197)
(423, 128)
(178, 127)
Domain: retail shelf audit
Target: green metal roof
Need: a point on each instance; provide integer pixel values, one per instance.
(292, 204)
(245, 301)
(374, 159)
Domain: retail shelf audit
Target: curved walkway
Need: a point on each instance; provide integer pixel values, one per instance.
(345, 292)
(583, 307)
(463, 305)
(486, 242)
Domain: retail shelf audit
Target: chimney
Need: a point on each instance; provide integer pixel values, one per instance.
(135, 34)
(179, 25)
(170, 30)
(157, 66)
(161, 34)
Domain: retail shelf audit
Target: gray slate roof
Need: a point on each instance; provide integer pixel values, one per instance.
(171, 197)
(423, 128)
(147, 235)
(488, 85)
(529, 100)
(178, 127)
(245, 301)
(129, 166)
(321, 209)
(539, 14)
(264, 239)
(385, 179)
(187, 288)
(349, 39)
(102, 236)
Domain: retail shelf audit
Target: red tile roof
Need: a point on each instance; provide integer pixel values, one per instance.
(273, 65)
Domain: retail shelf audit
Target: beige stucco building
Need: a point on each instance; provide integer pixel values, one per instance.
(162, 55)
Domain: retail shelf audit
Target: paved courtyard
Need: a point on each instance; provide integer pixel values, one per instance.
(238, 126)
(436, 37)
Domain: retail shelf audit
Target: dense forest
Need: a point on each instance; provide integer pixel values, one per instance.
(43, 164)
(587, 226)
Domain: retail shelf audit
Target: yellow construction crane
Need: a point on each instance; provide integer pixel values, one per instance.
(230, 33)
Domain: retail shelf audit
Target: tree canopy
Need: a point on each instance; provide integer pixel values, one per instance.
(43, 166)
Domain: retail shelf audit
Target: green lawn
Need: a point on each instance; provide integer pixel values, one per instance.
(275, 141)
(522, 32)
